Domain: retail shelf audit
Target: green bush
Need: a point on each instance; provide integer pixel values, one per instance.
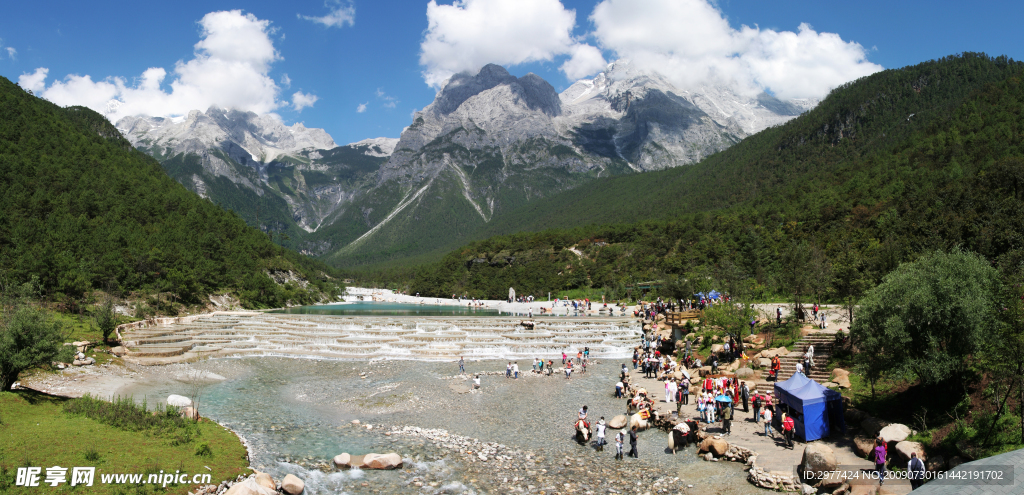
(29, 337)
(203, 450)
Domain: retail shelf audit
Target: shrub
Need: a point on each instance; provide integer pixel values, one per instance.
(28, 337)
(203, 450)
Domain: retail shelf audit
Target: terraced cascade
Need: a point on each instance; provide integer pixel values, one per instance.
(369, 337)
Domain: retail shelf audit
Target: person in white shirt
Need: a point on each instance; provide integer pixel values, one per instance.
(600, 434)
(515, 370)
(799, 367)
(476, 382)
(670, 391)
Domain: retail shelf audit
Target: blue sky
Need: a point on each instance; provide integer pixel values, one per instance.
(375, 59)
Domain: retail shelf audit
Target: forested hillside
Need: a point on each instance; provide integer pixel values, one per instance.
(80, 209)
(887, 167)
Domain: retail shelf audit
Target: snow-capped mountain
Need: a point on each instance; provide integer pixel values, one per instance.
(283, 178)
(489, 143)
(262, 137)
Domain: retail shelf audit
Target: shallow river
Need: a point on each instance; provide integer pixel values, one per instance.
(296, 414)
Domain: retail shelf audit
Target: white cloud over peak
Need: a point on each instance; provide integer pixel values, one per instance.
(230, 69)
(302, 100)
(35, 81)
(584, 60)
(688, 41)
(339, 14)
(691, 43)
(469, 34)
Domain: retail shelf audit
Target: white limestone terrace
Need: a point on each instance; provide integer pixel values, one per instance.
(375, 337)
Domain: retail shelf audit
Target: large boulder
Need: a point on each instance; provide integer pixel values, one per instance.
(716, 348)
(872, 426)
(249, 487)
(178, 401)
(863, 445)
(778, 351)
(118, 351)
(266, 481)
(343, 461)
(764, 362)
(841, 377)
(744, 373)
(382, 461)
(854, 415)
(292, 485)
(618, 422)
(894, 433)
(818, 459)
(716, 446)
(905, 448)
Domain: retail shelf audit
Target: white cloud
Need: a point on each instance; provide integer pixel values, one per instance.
(339, 14)
(362, 107)
(302, 100)
(286, 81)
(389, 101)
(585, 60)
(469, 34)
(229, 69)
(11, 52)
(35, 81)
(691, 43)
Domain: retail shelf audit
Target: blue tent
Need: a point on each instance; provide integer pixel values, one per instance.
(816, 410)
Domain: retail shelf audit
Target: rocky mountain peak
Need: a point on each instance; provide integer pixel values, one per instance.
(534, 92)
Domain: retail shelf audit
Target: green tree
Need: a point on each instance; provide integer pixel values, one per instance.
(106, 318)
(29, 337)
(928, 317)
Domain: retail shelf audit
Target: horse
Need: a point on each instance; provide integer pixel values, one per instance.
(582, 432)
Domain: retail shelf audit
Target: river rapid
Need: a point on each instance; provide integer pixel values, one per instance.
(512, 436)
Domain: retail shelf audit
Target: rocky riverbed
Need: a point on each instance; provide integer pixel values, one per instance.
(513, 436)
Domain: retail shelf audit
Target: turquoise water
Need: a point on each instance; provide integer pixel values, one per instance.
(297, 411)
(388, 309)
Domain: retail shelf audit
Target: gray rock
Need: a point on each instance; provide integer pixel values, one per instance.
(819, 459)
(872, 426)
(618, 422)
(292, 485)
(894, 433)
(905, 448)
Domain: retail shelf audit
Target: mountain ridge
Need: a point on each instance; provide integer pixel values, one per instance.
(489, 143)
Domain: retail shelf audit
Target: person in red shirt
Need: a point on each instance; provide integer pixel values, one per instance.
(787, 429)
